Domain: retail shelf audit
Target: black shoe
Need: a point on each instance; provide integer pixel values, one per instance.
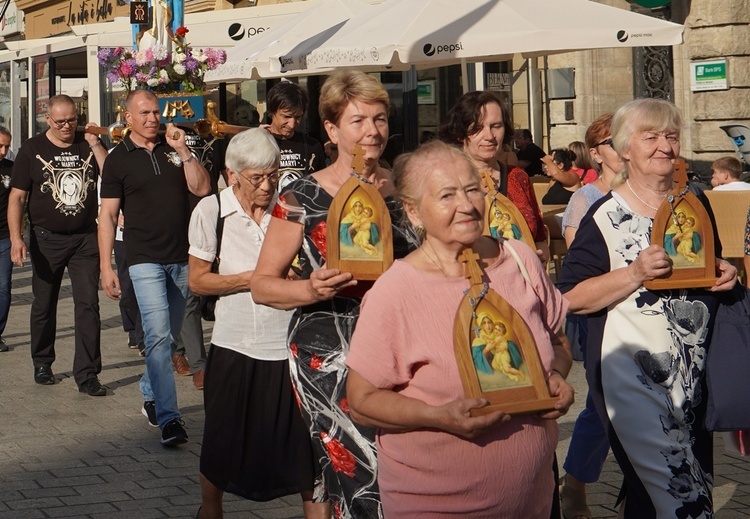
(149, 411)
(174, 433)
(92, 387)
(141, 349)
(3, 347)
(132, 343)
(43, 375)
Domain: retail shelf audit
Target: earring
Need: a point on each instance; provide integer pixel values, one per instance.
(419, 229)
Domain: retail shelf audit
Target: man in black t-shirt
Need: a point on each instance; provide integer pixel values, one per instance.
(58, 171)
(149, 177)
(529, 154)
(6, 266)
(300, 154)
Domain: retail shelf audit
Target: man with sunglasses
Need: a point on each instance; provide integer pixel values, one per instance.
(57, 171)
(149, 176)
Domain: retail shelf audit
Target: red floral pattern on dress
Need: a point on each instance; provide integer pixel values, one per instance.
(318, 237)
(315, 362)
(293, 349)
(521, 193)
(341, 459)
(344, 405)
(278, 210)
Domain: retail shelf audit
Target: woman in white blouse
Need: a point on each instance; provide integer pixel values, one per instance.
(255, 442)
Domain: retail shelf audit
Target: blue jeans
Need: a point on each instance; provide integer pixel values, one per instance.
(161, 291)
(589, 444)
(6, 268)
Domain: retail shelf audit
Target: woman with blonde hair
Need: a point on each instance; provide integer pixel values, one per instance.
(646, 349)
(354, 110)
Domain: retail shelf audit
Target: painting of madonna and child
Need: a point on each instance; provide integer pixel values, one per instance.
(683, 239)
(359, 229)
(495, 351)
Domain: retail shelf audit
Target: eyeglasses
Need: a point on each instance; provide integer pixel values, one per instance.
(608, 142)
(257, 180)
(70, 122)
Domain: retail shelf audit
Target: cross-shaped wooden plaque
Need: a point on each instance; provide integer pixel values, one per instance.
(682, 226)
(502, 219)
(359, 237)
(496, 353)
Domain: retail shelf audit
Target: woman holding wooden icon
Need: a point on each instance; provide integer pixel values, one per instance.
(438, 455)
(646, 348)
(354, 108)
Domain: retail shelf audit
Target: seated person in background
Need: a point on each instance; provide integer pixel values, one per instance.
(726, 175)
(583, 165)
(529, 155)
(558, 166)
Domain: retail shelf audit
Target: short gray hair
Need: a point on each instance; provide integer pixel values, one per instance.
(252, 149)
(641, 115)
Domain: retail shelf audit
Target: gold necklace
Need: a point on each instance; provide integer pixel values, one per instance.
(639, 198)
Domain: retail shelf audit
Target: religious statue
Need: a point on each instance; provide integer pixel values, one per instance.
(166, 17)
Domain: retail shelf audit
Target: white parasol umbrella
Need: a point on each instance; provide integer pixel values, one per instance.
(258, 58)
(432, 33)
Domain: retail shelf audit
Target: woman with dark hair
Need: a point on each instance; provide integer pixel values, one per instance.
(480, 123)
(300, 153)
(583, 166)
(558, 165)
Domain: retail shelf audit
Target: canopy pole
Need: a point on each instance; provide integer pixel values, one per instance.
(464, 75)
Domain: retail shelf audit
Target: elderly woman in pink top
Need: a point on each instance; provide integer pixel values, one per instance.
(434, 459)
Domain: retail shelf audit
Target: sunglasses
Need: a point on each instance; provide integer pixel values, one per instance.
(608, 142)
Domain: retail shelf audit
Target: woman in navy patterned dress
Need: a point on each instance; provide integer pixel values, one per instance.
(646, 349)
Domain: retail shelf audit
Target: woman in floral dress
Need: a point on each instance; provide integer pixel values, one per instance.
(646, 349)
(354, 108)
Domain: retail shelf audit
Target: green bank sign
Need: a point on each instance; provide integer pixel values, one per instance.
(708, 75)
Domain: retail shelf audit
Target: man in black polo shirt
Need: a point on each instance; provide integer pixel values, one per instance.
(300, 154)
(529, 154)
(58, 171)
(149, 178)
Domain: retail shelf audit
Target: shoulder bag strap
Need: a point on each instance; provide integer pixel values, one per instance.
(521, 266)
(219, 232)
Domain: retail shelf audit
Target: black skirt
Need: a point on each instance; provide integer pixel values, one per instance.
(255, 443)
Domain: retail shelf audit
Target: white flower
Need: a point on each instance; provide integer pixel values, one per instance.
(152, 82)
(163, 74)
(178, 57)
(179, 69)
(160, 52)
(199, 55)
(140, 58)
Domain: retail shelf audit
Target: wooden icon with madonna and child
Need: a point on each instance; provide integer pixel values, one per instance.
(358, 228)
(683, 227)
(502, 219)
(495, 350)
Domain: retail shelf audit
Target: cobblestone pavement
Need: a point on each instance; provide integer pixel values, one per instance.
(64, 454)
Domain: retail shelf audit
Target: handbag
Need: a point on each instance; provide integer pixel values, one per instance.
(207, 304)
(728, 363)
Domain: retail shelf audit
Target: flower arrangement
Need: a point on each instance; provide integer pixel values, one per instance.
(159, 70)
